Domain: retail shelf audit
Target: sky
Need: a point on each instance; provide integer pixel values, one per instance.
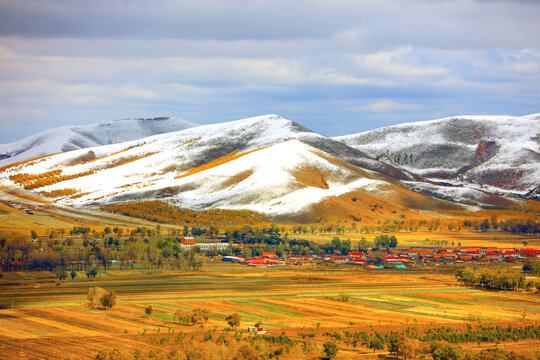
(337, 67)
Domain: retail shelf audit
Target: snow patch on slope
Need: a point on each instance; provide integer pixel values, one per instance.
(270, 188)
(501, 151)
(76, 137)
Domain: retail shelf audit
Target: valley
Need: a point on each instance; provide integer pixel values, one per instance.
(313, 240)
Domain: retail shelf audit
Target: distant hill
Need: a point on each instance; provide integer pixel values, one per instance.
(500, 153)
(76, 137)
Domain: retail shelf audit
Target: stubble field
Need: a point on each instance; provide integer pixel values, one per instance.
(45, 320)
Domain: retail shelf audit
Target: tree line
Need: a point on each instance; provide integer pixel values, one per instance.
(159, 211)
(494, 279)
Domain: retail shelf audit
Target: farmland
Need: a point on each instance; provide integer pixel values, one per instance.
(42, 316)
(42, 319)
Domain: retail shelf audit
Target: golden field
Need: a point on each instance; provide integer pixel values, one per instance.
(43, 319)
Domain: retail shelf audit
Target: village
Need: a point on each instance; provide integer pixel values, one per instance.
(371, 259)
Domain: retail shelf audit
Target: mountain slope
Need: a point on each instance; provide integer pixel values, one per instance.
(500, 152)
(268, 164)
(76, 137)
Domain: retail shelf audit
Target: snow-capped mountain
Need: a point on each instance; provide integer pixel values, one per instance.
(498, 153)
(267, 163)
(76, 137)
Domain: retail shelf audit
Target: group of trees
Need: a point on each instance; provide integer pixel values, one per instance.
(159, 211)
(275, 240)
(60, 192)
(439, 342)
(514, 226)
(520, 226)
(494, 279)
(107, 298)
(193, 317)
(34, 181)
(386, 241)
(17, 252)
(532, 265)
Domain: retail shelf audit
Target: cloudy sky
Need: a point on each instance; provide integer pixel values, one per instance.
(338, 67)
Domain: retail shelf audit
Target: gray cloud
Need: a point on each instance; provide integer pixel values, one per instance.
(338, 67)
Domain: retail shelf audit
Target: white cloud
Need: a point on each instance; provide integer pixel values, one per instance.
(397, 63)
(387, 106)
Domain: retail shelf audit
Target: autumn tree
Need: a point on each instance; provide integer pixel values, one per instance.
(108, 299)
(234, 320)
(193, 317)
(407, 347)
(94, 293)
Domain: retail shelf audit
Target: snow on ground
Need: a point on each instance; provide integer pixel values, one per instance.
(270, 188)
(68, 138)
(452, 146)
(262, 180)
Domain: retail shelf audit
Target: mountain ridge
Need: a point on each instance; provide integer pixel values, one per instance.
(500, 152)
(67, 138)
(268, 163)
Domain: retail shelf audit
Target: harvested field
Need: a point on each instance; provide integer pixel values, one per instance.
(40, 317)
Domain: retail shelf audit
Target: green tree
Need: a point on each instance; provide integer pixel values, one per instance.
(148, 310)
(73, 274)
(386, 241)
(247, 252)
(330, 350)
(61, 273)
(33, 234)
(484, 226)
(376, 344)
(92, 272)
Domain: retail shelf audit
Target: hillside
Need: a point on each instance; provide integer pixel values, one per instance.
(268, 164)
(497, 153)
(68, 138)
